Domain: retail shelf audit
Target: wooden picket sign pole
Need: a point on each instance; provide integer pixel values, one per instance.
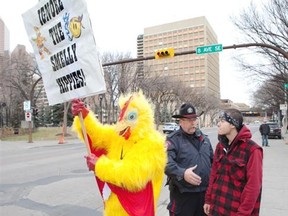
(84, 133)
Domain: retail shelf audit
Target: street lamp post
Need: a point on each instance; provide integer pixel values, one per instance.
(100, 103)
(265, 113)
(2, 105)
(286, 111)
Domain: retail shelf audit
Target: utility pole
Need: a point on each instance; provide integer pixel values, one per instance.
(31, 97)
(101, 111)
(285, 125)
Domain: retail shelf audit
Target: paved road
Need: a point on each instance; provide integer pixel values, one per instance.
(36, 180)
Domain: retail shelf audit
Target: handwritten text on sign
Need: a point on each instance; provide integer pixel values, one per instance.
(65, 49)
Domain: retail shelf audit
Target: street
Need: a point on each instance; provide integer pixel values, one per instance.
(45, 178)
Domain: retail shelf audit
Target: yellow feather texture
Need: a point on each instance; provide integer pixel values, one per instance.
(132, 162)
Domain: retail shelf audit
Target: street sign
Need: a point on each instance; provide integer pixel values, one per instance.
(283, 106)
(28, 116)
(209, 49)
(26, 105)
(286, 85)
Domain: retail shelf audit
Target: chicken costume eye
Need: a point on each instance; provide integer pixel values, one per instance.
(132, 116)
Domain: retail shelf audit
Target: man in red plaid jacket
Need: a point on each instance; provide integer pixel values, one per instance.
(235, 183)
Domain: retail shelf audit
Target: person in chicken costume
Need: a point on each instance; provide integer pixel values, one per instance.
(128, 158)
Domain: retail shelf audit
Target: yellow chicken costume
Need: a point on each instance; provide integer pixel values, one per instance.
(131, 158)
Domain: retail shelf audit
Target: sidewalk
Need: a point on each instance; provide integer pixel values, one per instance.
(275, 179)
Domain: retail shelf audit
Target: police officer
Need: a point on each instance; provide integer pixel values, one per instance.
(190, 156)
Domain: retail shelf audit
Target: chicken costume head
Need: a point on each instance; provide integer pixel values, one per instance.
(131, 157)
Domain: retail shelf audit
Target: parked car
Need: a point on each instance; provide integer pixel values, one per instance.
(275, 130)
(170, 127)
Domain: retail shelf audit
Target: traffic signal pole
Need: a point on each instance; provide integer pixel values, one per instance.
(234, 46)
(277, 49)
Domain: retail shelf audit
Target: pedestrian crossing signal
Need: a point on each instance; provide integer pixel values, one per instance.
(164, 53)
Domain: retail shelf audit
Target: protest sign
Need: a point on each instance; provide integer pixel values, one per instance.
(64, 46)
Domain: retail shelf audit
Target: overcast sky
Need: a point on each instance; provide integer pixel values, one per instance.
(116, 25)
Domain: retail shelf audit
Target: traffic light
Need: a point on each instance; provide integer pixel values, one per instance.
(164, 53)
(35, 111)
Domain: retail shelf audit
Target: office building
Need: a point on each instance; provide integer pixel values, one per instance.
(42, 100)
(4, 47)
(4, 38)
(4, 61)
(195, 71)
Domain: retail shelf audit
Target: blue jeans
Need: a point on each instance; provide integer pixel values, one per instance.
(264, 140)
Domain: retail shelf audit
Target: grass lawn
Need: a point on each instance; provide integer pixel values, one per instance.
(42, 133)
(45, 133)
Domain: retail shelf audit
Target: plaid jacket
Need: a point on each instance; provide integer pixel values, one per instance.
(236, 178)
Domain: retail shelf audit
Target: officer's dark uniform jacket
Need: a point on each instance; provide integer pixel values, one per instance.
(184, 151)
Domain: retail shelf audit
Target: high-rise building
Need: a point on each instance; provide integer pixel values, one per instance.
(4, 38)
(42, 100)
(4, 59)
(195, 71)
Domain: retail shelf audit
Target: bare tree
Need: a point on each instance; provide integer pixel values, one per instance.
(5, 93)
(164, 92)
(267, 24)
(205, 102)
(268, 96)
(119, 79)
(20, 78)
(160, 90)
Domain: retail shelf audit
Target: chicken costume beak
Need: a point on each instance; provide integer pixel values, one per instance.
(125, 133)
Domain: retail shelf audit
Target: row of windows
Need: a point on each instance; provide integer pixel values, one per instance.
(174, 38)
(183, 64)
(192, 74)
(195, 31)
(156, 44)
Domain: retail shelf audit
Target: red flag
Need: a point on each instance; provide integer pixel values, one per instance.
(140, 203)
